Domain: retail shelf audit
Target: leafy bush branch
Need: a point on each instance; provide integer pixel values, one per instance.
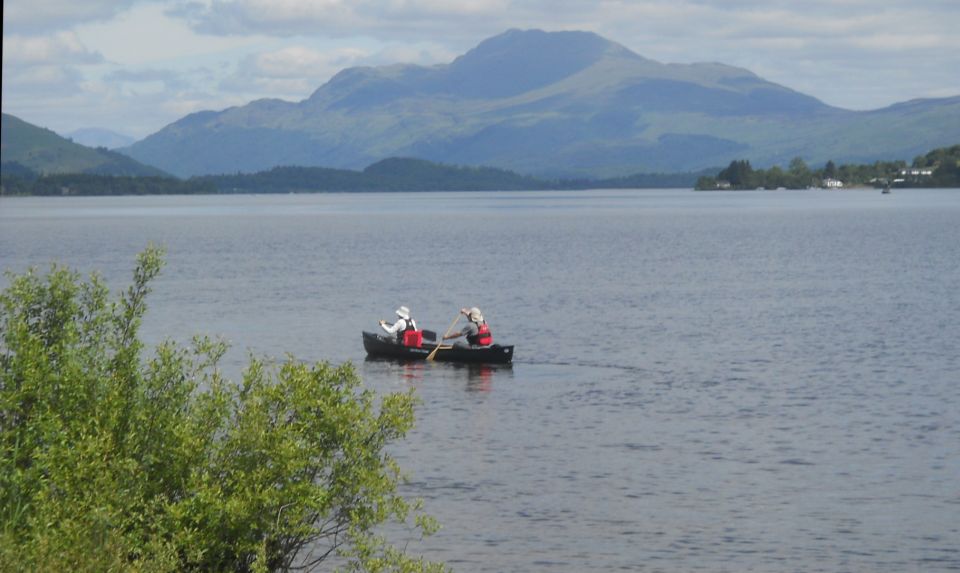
(116, 461)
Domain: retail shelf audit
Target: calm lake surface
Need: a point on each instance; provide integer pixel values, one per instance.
(736, 381)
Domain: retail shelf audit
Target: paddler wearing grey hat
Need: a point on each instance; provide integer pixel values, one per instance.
(476, 331)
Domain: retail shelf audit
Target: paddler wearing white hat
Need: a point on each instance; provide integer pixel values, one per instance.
(477, 332)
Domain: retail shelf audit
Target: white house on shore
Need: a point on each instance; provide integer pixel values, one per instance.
(830, 183)
(917, 172)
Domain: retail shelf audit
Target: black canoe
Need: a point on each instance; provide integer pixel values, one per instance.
(386, 346)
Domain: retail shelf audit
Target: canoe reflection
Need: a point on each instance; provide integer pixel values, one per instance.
(479, 377)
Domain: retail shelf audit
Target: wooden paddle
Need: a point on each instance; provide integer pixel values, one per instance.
(430, 357)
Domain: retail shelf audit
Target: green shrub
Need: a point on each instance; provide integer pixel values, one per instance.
(115, 461)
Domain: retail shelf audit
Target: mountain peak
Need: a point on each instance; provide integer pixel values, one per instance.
(514, 42)
(506, 65)
(521, 60)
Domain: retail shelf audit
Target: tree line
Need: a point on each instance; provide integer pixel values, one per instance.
(394, 174)
(938, 168)
(22, 181)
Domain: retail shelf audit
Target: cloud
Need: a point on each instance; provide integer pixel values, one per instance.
(394, 19)
(33, 16)
(45, 68)
(170, 79)
(294, 72)
(844, 52)
(667, 30)
(44, 81)
(299, 62)
(288, 73)
(63, 48)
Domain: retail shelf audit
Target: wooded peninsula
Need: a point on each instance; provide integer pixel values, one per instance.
(939, 168)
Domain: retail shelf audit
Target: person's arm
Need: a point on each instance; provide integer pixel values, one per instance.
(468, 329)
(396, 326)
(457, 334)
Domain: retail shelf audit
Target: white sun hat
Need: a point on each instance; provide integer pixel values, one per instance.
(475, 315)
(403, 312)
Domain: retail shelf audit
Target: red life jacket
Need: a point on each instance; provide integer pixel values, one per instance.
(410, 336)
(483, 336)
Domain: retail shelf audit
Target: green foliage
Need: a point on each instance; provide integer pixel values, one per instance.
(15, 184)
(738, 173)
(17, 169)
(830, 169)
(799, 172)
(399, 173)
(636, 181)
(404, 174)
(115, 461)
(394, 174)
(945, 163)
(86, 184)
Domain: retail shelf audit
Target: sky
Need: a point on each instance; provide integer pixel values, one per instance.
(135, 66)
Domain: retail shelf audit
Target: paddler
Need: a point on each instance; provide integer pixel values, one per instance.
(476, 331)
(405, 328)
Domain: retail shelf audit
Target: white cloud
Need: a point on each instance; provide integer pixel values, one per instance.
(390, 19)
(158, 80)
(149, 35)
(843, 52)
(44, 81)
(422, 54)
(296, 71)
(33, 16)
(288, 73)
(298, 62)
(62, 48)
(44, 70)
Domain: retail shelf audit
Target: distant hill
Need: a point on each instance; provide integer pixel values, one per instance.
(393, 174)
(550, 104)
(42, 151)
(405, 174)
(99, 137)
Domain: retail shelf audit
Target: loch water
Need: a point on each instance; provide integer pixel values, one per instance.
(723, 381)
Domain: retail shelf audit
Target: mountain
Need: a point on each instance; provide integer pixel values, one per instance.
(99, 137)
(43, 151)
(557, 104)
